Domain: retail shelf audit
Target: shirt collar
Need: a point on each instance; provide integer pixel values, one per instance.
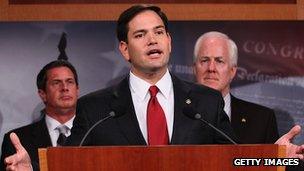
(142, 87)
(52, 123)
(165, 84)
(227, 107)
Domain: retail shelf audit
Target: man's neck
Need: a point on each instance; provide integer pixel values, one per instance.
(62, 115)
(225, 91)
(150, 77)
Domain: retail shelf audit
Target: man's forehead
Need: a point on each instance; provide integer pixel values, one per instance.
(145, 12)
(213, 49)
(213, 52)
(137, 22)
(55, 69)
(58, 72)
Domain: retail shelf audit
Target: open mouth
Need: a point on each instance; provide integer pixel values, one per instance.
(154, 52)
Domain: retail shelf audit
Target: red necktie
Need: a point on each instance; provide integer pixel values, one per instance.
(156, 121)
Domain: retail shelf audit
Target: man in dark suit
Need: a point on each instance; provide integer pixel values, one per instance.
(215, 63)
(253, 123)
(57, 86)
(145, 42)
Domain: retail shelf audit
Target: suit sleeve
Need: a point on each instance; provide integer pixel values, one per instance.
(7, 149)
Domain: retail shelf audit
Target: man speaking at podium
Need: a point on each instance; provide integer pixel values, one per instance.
(149, 103)
(150, 100)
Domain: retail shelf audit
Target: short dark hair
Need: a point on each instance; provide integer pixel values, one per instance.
(42, 75)
(126, 16)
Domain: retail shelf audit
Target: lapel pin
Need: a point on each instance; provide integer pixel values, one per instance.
(188, 101)
(243, 120)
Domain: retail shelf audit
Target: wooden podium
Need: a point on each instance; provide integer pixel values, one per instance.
(145, 158)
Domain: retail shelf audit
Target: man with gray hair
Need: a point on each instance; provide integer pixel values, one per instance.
(215, 65)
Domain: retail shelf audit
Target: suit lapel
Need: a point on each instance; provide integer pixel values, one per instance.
(238, 118)
(40, 135)
(128, 121)
(180, 125)
(129, 124)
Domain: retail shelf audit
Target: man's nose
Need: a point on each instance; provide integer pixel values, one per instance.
(151, 39)
(211, 66)
(65, 87)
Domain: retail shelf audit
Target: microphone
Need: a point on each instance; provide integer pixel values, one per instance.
(191, 113)
(110, 115)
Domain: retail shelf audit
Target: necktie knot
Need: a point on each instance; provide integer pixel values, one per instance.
(63, 130)
(153, 91)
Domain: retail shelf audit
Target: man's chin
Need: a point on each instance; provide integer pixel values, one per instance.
(68, 109)
(211, 84)
(67, 105)
(154, 68)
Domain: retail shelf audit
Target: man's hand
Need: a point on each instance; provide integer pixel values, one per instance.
(20, 161)
(292, 150)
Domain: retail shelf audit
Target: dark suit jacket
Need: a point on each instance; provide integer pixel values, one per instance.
(253, 123)
(32, 137)
(125, 130)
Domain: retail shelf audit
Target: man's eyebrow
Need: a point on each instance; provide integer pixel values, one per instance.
(69, 79)
(139, 31)
(210, 57)
(55, 80)
(144, 30)
(160, 26)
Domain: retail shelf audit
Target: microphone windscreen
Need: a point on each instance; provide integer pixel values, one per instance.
(112, 114)
(118, 108)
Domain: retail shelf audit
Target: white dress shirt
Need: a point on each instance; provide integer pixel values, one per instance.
(227, 107)
(140, 96)
(52, 125)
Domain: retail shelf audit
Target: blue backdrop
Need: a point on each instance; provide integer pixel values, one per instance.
(271, 60)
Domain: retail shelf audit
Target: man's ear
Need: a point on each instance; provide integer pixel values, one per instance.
(77, 91)
(42, 95)
(124, 50)
(169, 37)
(233, 72)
